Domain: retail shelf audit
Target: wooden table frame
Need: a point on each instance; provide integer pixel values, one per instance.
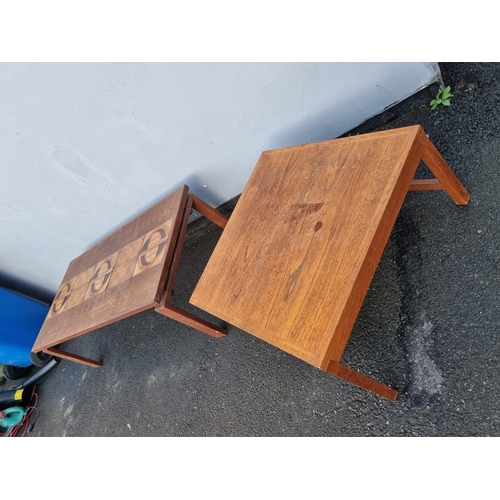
(313, 311)
(445, 180)
(167, 309)
(162, 305)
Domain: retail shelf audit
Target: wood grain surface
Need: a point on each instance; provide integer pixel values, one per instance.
(123, 274)
(296, 258)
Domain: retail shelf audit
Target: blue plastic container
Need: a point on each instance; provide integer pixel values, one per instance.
(21, 319)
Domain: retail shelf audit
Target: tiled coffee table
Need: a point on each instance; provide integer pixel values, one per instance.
(131, 270)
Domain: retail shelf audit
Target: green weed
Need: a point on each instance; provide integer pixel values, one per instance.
(443, 97)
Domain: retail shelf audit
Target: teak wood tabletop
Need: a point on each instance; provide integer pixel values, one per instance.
(297, 256)
(131, 270)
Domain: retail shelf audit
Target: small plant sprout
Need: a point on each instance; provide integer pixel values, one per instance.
(443, 97)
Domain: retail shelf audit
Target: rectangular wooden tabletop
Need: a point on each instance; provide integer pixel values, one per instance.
(121, 275)
(300, 249)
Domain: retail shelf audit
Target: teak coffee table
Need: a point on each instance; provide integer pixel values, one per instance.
(131, 270)
(297, 256)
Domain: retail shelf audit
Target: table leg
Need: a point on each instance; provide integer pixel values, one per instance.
(58, 353)
(207, 211)
(191, 320)
(356, 378)
(438, 166)
(167, 309)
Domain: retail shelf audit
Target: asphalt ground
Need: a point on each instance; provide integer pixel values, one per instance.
(428, 326)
